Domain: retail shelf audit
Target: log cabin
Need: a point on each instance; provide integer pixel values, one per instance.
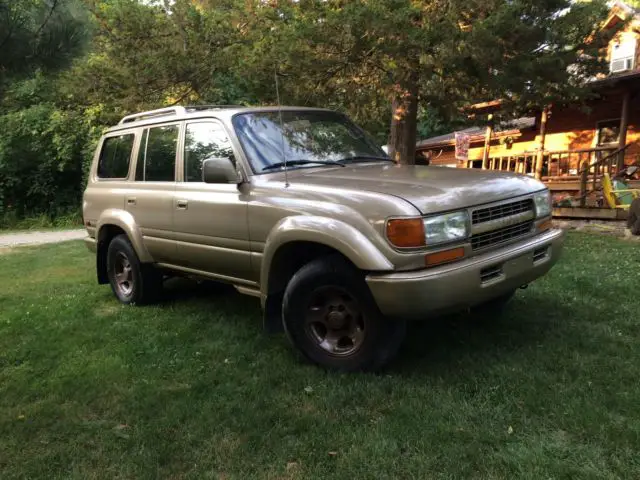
(568, 147)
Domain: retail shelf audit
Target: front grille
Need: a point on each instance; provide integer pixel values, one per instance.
(502, 235)
(500, 211)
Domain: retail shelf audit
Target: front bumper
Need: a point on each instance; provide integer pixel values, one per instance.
(470, 282)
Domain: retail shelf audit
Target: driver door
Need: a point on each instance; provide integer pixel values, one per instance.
(210, 220)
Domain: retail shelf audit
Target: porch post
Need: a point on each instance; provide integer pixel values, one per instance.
(487, 142)
(543, 134)
(624, 123)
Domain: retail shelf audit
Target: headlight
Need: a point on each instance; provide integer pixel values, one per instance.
(446, 228)
(542, 201)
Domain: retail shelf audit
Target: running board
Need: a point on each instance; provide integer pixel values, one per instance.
(253, 292)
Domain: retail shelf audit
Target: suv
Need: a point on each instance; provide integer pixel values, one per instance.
(301, 208)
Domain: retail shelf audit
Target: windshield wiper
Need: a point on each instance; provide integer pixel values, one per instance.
(293, 163)
(365, 158)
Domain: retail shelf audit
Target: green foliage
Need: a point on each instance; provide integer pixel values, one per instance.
(39, 34)
(44, 153)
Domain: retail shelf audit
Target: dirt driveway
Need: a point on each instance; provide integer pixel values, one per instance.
(38, 238)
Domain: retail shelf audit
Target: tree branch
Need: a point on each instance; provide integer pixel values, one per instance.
(46, 20)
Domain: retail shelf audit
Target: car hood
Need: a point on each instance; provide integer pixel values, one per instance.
(429, 189)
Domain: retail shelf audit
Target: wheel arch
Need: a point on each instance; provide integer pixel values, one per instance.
(321, 234)
(112, 223)
(296, 241)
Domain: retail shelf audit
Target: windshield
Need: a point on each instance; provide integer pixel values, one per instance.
(308, 137)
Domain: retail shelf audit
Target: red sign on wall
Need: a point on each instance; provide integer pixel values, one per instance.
(462, 146)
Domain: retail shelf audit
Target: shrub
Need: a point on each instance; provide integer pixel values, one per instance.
(44, 155)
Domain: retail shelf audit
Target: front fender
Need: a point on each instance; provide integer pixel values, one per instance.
(333, 233)
(126, 222)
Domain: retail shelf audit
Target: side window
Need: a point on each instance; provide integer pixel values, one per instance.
(157, 154)
(204, 140)
(115, 156)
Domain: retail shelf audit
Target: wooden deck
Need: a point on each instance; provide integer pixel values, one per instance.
(589, 213)
(573, 177)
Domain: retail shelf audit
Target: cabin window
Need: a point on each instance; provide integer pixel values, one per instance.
(608, 132)
(623, 55)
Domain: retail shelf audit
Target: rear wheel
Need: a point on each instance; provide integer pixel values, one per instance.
(131, 281)
(331, 317)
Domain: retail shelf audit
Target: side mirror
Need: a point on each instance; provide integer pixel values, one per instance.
(220, 170)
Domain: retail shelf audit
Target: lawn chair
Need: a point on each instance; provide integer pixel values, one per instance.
(620, 199)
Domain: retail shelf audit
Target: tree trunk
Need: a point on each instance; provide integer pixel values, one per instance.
(404, 121)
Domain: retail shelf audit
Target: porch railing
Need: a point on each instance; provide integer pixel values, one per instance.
(557, 163)
(591, 173)
(586, 165)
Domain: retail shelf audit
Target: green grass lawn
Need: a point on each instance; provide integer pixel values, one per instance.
(192, 388)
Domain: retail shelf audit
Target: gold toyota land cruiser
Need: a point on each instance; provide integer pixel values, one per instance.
(300, 208)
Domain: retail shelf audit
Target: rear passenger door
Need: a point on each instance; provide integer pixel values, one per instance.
(110, 177)
(210, 219)
(151, 195)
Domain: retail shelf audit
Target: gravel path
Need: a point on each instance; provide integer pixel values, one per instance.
(38, 238)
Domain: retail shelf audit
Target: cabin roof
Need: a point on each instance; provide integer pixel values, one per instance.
(503, 129)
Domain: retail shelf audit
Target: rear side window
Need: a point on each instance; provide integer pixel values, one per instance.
(157, 154)
(115, 156)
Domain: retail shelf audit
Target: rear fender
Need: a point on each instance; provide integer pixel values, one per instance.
(126, 222)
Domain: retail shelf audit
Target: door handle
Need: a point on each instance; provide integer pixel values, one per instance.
(182, 204)
(131, 201)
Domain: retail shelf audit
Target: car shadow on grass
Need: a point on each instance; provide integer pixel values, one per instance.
(218, 298)
(470, 339)
(431, 345)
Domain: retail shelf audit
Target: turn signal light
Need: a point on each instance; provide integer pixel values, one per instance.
(444, 256)
(406, 232)
(544, 226)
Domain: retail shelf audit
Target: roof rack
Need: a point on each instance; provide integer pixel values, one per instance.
(195, 108)
(160, 112)
(179, 110)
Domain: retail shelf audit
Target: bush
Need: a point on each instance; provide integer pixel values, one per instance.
(44, 155)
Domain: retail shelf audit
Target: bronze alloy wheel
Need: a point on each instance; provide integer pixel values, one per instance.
(335, 322)
(330, 316)
(123, 274)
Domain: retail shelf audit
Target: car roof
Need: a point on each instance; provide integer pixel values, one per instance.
(180, 113)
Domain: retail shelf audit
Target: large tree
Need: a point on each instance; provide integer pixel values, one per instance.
(437, 53)
(376, 59)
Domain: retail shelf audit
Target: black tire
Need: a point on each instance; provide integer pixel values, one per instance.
(494, 307)
(132, 282)
(350, 333)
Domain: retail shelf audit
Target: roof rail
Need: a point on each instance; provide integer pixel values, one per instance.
(160, 112)
(211, 107)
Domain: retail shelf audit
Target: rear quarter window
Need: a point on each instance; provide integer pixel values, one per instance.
(115, 156)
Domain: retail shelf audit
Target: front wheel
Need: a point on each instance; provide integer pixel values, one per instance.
(132, 282)
(331, 317)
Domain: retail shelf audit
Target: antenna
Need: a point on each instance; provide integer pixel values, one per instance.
(284, 155)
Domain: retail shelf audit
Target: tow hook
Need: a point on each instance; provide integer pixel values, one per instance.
(524, 287)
